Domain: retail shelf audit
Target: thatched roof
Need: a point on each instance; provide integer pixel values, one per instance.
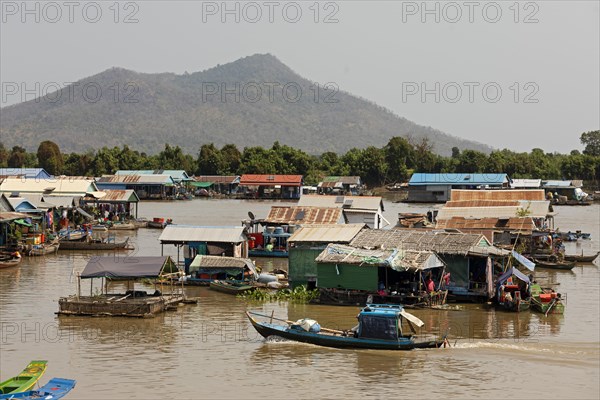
(399, 260)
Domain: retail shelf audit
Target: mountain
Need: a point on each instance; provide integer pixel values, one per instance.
(253, 101)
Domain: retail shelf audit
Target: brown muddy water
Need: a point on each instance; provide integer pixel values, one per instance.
(209, 350)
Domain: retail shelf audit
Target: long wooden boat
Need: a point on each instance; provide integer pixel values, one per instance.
(156, 225)
(94, 245)
(123, 227)
(26, 379)
(554, 265)
(230, 287)
(43, 249)
(379, 327)
(512, 293)
(57, 388)
(581, 258)
(546, 301)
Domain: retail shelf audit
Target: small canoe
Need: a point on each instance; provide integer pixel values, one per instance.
(26, 379)
(581, 258)
(230, 287)
(156, 225)
(7, 262)
(57, 388)
(554, 265)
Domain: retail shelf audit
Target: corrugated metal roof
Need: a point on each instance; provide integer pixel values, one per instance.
(29, 173)
(330, 184)
(439, 242)
(526, 183)
(297, 215)
(536, 209)
(558, 184)
(202, 261)
(340, 233)
(459, 195)
(116, 196)
(399, 260)
(230, 179)
(270, 180)
(482, 203)
(419, 178)
(66, 185)
(512, 224)
(11, 216)
(137, 179)
(188, 233)
(347, 202)
(178, 175)
(339, 180)
(20, 202)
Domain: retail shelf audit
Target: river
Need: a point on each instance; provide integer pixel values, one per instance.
(209, 350)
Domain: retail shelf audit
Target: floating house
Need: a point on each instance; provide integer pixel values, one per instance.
(355, 209)
(308, 242)
(340, 185)
(269, 237)
(205, 240)
(178, 175)
(469, 258)
(436, 188)
(146, 187)
(131, 302)
(350, 275)
(565, 192)
(205, 269)
(271, 186)
(118, 202)
(27, 173)
(56, 186)
(219, 184)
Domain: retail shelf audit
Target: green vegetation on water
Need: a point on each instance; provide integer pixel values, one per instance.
(297, 295)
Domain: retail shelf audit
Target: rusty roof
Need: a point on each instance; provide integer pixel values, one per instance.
(531, 194)
(482, 203)
(511, 224)
(218, 178)
(115, 196)
(270, 180)
(298, 215)
(137, 179)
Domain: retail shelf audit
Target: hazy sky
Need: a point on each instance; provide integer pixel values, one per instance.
(506, 73)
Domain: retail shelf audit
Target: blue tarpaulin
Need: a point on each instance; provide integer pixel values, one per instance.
(523, 261)
(510, 272)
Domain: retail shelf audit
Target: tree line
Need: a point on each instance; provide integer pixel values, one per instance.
(395, 162)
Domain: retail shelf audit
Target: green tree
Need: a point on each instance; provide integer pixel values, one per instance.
(472, 161)
(3, 156)
(591, 140)
(173, 158)
(49, 157)
(210, 160)
(105, 162)
(232, 159)
(399, 154)
(17, 157)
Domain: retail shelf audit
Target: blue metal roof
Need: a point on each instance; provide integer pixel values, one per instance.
(382, 310)
(565, 184)
(29, 173)
(420, 178)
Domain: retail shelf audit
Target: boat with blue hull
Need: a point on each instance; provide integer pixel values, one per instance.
(57, 388)
(380, 327)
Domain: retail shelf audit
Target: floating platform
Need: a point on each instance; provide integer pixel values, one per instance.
(117, 305)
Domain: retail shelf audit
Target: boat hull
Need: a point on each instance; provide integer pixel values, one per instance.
(581, 259)
(47, 249)
(338, 341)
(57, 388)
(69, 245)
(265, 253)
(554, 265)
(25, 380)
(10, 263)
(230, 287)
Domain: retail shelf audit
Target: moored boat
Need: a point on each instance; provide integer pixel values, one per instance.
(94, 245)
(512, 293)
(230, 287)
(581, 258)
(10, 260)
(26, 379)
(56, 389)
(546, 301)
(564, 265)
(128, 226)
(381, 327)
(42, 249)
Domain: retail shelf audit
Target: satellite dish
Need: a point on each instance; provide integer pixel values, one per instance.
(251, 215)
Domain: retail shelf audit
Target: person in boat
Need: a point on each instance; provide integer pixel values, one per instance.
(446, 279)
(269, 246)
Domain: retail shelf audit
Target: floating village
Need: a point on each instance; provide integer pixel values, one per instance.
(482, 240)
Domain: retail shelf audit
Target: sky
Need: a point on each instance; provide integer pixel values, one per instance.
(511, 74)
